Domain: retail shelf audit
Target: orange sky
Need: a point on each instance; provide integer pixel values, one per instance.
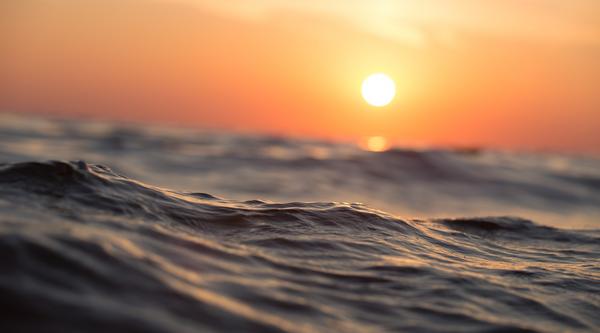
(511, 74)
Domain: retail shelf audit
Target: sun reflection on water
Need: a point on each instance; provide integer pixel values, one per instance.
(375, 144)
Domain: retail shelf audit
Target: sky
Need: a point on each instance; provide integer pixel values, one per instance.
(511, 74)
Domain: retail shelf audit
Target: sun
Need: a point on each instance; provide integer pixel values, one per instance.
(378, 89)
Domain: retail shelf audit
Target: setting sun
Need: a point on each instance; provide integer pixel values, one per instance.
(378, 89)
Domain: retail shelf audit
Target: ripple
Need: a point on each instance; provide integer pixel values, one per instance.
(86, 249)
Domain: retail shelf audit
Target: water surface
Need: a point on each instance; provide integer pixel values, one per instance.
(182, 231)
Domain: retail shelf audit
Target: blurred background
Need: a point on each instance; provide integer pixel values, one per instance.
(504, 74)
(497, 110)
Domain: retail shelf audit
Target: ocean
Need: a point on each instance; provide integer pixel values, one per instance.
(131, 228)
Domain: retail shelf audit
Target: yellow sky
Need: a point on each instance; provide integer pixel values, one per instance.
(512, 74)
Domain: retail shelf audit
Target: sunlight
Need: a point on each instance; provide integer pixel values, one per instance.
(376, 144)
(378, 89)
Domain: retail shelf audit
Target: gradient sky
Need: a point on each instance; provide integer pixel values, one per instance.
(518, 74)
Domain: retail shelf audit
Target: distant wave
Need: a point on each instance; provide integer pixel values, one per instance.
(552, 189)
(83, 248)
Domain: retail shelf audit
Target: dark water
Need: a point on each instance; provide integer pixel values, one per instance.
(83, 248)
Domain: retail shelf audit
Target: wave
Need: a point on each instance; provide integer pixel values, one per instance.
(553, 189)
(83, 248)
